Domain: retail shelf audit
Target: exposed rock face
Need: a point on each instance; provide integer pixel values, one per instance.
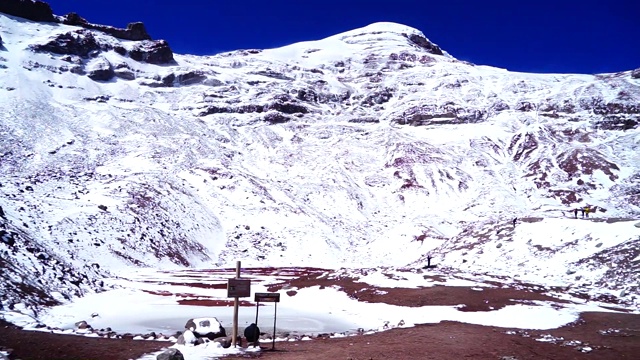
(191, 77)
(152, 52)
(28, 9)
(636, 73)
(79, 42)
(123, 71)
(134, 31)
(425, 44)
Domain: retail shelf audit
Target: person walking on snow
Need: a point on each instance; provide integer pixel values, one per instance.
(575, 213)
(514, 222)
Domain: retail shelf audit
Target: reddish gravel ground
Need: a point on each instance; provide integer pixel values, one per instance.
(608, 335)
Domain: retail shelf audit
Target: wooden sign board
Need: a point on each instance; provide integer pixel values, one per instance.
(239, 288)
(267, 297)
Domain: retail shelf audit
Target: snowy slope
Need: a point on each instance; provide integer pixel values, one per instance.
(371, 147)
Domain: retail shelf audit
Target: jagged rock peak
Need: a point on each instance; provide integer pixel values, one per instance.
(41, 11)
(28, 9)
(134, 31)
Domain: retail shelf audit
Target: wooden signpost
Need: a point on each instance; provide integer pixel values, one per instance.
(268, 297)
(237, 288)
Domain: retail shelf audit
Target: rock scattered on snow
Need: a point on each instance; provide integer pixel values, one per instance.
(170, 354)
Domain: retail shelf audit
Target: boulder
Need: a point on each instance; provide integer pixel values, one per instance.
(206, 327)
(225, 342)
(634, 74)
(100, 70)
(187, 337)
(28, 9)
(170, 354)
(7, 237)
(152, 52)
(124, 72)
(82, 325)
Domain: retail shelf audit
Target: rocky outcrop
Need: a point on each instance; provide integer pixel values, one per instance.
(0, 41)
(191, 77)
(423, 43)
(636, 73)
(134, 31)
(152, 52)
(79, 42)
(123, 71)
(276, 118)
(28, 9)
(445, 114)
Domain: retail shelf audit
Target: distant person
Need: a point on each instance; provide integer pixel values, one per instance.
(575, 213)
(514, 222)
(252, 334)
(586, 211)
(582, 211)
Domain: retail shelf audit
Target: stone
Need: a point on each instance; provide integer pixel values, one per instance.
(123, 71)
(82, 325)
(636, 73)
(28, 9)
(209, 328)
(152, 52)
(7, 237)
(225, 342)
(187, 337)
(100, 70)
(170, 354)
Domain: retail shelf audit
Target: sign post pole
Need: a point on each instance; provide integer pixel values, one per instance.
(275, 315)
(235, 310)
(268, 297)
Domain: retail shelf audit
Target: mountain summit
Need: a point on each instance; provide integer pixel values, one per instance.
(354, 150)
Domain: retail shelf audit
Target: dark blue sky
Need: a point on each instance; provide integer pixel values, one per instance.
(573, 36)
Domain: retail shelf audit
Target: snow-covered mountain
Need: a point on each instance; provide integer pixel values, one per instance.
(368, 148)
